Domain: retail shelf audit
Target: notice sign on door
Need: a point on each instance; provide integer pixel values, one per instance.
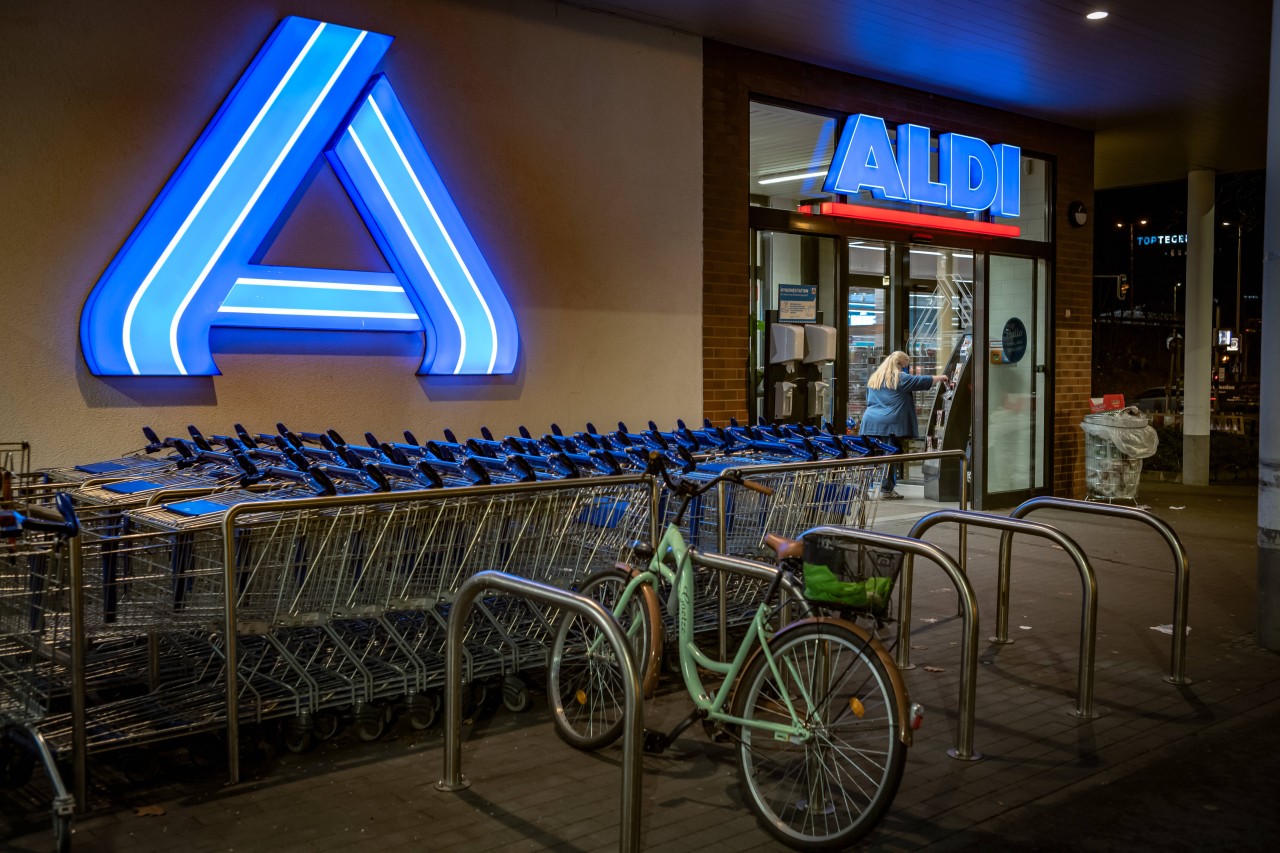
(797, 303)
(1013, 341)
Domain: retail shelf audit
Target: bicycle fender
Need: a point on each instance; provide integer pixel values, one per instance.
(649, 598)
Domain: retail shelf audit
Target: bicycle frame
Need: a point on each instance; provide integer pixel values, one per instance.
(692, 657)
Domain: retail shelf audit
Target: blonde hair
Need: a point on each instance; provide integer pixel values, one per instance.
(886, 375)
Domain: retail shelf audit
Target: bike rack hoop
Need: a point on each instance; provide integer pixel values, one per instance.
(633, 722)
(1182, 570)
(914, 547)
(1088, 581)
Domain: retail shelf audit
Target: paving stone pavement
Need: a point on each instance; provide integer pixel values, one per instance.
(1158, 766)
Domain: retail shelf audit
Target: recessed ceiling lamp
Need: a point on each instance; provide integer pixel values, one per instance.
(1097, 16)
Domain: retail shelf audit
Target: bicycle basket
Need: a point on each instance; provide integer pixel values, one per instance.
(849, 576)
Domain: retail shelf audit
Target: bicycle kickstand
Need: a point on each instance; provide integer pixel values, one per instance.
(656, 743)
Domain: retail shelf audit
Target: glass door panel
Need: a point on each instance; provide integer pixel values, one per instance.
(794, 279)
(1015, 399)
(939, 312)
(869, 266)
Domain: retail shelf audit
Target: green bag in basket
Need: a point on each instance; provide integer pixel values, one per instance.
(854, 576)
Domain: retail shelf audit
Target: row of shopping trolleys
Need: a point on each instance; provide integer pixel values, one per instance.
(325, 464)
(341, 609)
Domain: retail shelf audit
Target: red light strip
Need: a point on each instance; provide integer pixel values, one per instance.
(917, 220)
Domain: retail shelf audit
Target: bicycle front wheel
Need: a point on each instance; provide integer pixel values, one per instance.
(825, 791)
(584, 677)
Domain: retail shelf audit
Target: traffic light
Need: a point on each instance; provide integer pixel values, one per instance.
(1122, 287)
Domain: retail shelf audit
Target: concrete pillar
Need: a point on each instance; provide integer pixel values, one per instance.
(1269, 423)
(1197, 362)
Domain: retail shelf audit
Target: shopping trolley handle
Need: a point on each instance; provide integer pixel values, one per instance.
(13, 523)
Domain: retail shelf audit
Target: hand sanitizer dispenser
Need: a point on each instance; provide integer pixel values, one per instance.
(819, 344)
(783, 394)
(786, 344)
(819, 396)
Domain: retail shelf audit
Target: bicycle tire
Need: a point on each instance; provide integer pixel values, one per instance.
(585, 689)
(854, 759)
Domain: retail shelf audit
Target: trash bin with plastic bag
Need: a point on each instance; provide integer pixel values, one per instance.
(1115, 443)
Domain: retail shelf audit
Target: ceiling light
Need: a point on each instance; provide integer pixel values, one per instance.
(780, 178)
(1096, 16)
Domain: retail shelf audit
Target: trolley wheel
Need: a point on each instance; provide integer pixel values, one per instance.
(515, 694)
(62, 833)
(325, 725)
(482, 696)
(371, 723)
(422, 710)
(298, 736)
(843, 695)
(16, 764)
(584, 676)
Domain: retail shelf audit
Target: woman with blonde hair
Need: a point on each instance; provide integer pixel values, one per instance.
(891, 409)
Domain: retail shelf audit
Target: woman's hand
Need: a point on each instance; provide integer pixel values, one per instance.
(941, 377)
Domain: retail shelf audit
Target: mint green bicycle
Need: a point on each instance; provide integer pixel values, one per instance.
(817, 711)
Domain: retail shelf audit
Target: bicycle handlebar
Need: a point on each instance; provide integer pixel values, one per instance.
(658, 466)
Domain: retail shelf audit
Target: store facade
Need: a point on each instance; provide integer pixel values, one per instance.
(582, 194)
(996, 298)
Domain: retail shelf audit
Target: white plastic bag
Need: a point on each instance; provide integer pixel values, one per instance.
(1128, 429)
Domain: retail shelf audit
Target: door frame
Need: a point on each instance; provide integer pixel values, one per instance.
(786, 221)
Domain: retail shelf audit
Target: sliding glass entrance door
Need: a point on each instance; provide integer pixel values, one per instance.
(1014, 391)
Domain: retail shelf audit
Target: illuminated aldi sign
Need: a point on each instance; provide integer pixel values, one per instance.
(190, 264)
(972, 176)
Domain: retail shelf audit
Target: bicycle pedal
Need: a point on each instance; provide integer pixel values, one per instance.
(656, 743)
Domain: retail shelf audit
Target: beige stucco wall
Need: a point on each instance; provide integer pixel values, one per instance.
(571, 142)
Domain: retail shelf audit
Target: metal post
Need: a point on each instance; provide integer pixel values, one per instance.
(79, 735)
(722, 545)
(633, 716)
(1181, 570)
(232, 677)
(903, 651)
(963, 750)
(1089, 605)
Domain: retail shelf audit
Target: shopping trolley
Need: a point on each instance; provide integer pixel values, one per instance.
(34, 552)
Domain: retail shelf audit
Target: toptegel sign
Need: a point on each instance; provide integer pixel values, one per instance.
(972, 175)
(190, 264)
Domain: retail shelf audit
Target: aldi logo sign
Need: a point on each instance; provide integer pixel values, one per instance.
(189, 265)
(972, 175)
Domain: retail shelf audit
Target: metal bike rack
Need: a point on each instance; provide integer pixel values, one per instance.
(914, 547)
(633, 722)
(749, 472)
(1088, 580)
(1181, 578)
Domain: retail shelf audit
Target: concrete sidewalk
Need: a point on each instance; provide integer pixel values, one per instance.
(1159, 766)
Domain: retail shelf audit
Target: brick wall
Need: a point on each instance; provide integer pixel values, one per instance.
(732, 76)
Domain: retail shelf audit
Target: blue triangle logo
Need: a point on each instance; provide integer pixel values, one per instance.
(311, 91)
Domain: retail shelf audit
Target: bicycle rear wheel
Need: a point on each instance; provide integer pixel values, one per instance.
(584, 678)
(834, 787)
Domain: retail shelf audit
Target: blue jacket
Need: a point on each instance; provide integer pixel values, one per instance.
(893, 411)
